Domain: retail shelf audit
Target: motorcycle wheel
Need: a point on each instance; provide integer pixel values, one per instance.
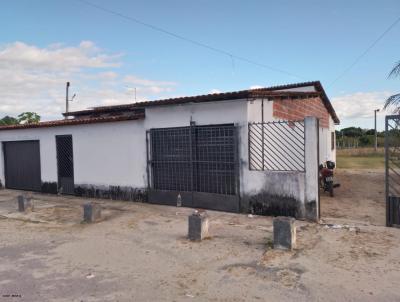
(330, 189)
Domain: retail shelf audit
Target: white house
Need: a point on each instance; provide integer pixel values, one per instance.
(251, 150)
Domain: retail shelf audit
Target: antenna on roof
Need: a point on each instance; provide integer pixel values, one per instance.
(130, 88)
(67, 100)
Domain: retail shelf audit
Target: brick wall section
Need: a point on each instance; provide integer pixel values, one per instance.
(298, 109)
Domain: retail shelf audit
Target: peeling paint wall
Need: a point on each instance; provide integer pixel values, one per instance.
(296, 192)
(274, 193)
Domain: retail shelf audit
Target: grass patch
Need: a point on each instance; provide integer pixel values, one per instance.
(361, 158)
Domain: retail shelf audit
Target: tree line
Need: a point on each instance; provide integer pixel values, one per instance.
(23, 118)
(354, 137)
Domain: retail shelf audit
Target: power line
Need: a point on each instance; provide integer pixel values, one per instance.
(189, 40)
(366, 51)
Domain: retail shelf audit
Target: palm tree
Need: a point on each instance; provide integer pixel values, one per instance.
(394, 100)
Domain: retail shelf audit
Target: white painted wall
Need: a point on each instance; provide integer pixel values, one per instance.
(104, 154)
(325, 139)
(254, 112)
(332, 128)
(201, 113)
(115, 153)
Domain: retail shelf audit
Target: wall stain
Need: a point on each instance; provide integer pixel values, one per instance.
(49, 187)
(273, 205)
(111, 192)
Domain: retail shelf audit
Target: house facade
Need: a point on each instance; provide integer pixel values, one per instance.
(252, 150)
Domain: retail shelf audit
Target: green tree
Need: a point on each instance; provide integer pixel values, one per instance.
(365, 141)
(8, 120)
(394, 100)
(352, 131)
(370, 132)
(29, 118)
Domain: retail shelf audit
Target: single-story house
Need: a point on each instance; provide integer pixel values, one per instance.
(252, 150)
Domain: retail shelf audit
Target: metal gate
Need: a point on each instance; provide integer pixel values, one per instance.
(392, 162)
(65, 164)
(22, 165)
(196, 166)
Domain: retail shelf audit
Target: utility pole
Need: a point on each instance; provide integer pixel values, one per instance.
(376, 133)
(67, 100)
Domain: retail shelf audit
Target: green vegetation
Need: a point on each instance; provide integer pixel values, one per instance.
(354, 137)
(23, 118)
(8, 120)
(394, 100)
(361, 158)
(28, 118)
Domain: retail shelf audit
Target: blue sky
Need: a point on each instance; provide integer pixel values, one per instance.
(44, 43)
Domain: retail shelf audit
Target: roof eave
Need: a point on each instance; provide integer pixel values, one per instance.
(72, 122)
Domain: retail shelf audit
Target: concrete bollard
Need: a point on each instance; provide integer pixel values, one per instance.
(284, 233)
(24, 203)
(198, 226)
(91, 212)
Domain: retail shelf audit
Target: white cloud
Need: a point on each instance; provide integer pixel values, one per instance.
(55, 57)
(212, 91)
(256, 87)
(359, 104)
(33, 79)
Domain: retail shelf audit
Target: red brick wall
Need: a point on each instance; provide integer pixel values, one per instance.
(298, 109)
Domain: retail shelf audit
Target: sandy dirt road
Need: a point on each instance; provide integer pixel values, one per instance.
(140, 253)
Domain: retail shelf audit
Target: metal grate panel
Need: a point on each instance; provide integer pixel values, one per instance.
(195, 158)
(277, 146)
(392, 162)
(214, 160)
(65, 164)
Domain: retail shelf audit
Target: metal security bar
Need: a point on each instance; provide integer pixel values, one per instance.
(171, 158)
(65, 164)
(195, 158)
(214, 159)
(277, 146)
(392, 162)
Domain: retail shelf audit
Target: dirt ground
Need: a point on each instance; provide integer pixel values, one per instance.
(359, 198)
(139, 252)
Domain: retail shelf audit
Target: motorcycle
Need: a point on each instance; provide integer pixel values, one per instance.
(326, 177)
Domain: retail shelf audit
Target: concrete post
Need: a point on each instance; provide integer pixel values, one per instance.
(91, 212)
(284, 233)
(24, 203)
(198, 226)
(311, 200)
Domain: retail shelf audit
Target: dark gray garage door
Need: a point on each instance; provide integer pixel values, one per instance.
(22, 165)
(197, 163)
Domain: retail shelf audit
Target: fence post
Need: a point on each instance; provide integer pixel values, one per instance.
(311, 200)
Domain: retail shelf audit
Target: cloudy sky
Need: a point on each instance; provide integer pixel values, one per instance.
(106, 56)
